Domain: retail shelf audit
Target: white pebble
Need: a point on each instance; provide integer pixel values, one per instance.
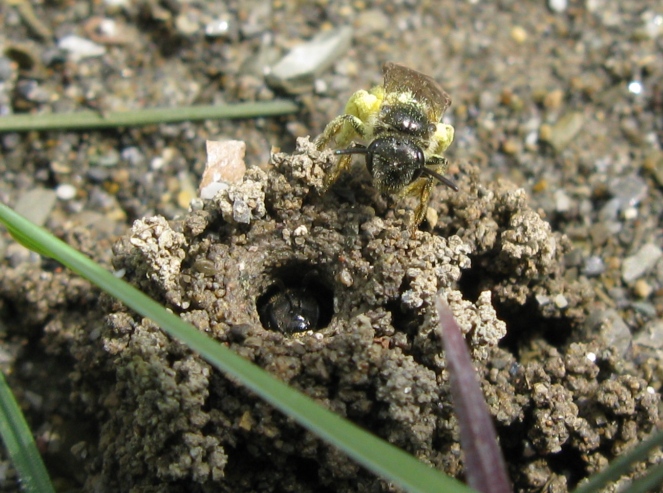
(65, 191)
(557, 5)
(562, 201)
(561, 301)
(80, 48)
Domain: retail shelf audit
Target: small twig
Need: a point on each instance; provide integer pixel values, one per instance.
(484, 464)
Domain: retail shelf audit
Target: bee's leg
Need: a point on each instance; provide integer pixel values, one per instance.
(335, 171)
(361, 107)
(420, 188)
(342, 130)
(442, 138)
(437, 163)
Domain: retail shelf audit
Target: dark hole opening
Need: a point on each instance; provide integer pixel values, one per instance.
(298, 300)
(568, 462)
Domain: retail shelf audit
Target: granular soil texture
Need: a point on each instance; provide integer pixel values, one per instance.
(549, 255)
(564, 404)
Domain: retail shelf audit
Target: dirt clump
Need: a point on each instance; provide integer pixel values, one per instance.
(367, 350)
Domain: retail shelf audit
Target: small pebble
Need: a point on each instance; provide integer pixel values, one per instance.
(651, 335)
(80, 48)
(565, 130)
(299, 235)
(562, 201)
(108, 159)
(65, 191)
(98, 175)
(628, 190)
(653, 164)
(296, 72)
(31, 90)
(133, 156)
(611, 327)
(225, 166)
(6, 68)
(542, 299)
(510, 147)
(561, 301)
(553, 100)
(345, 278)
(431, 217)
(16, 254)
(187, 191)
(117, 3)
(545, 132)
(557, 6)
(221, 28)
(594, 266)
(652, 24)
(642, 289)
(241, 212)
(610, 211)
(630, 213)
(518, 34)
(574, 258)
(186, 25)
(647, 309)
(372, 21)
(642, 262)
(36, 205)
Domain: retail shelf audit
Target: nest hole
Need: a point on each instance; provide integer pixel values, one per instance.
(298, 300)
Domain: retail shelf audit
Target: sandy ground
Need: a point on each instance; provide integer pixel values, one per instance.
(549, 253)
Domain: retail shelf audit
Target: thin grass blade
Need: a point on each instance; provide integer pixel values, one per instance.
(622, 465)
(484, 464)
(148, 116)
(20, 445)
(652, 481)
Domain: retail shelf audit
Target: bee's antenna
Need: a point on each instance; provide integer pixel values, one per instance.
(441, 178)
(357, 149)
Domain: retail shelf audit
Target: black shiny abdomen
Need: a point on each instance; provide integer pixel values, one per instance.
(291, 310)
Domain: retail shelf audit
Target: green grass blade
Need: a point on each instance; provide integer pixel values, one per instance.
(149, 116)
(622, 465)
(651, 482)
(20, 445)
(375, 454)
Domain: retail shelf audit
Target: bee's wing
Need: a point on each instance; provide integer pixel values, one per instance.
(426, 89)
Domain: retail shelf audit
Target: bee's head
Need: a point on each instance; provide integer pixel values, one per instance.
(394, 162)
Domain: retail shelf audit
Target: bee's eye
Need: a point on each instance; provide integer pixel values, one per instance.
(369, 161)
(421, 162)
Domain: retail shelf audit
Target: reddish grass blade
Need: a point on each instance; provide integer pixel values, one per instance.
(484, 463)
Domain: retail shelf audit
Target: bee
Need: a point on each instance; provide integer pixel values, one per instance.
(290, 310)
(400, 121)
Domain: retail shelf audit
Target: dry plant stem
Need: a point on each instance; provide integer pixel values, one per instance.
(484, 463)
